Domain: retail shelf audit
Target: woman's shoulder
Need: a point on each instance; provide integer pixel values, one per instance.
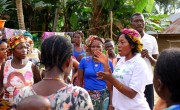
(71, 89)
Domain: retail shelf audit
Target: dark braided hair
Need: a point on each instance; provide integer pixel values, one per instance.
(55, 51)
(168, 69)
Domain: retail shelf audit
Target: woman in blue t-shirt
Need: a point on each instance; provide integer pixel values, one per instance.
(88, 68)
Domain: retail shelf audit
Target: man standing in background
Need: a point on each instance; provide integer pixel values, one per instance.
(150, 53)
(110, 49)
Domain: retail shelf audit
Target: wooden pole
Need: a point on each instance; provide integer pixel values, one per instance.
(111, 24)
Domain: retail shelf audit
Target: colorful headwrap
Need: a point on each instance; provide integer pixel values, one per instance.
(15, 40)
(28, 34)
(90, 39)
(29, 40)
(135, 36)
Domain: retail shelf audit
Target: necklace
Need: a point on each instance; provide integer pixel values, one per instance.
(96, 65)
(53, 79)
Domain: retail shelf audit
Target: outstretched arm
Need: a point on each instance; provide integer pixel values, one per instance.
(118, 85)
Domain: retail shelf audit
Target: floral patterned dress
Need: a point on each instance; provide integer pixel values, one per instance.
(67, 98)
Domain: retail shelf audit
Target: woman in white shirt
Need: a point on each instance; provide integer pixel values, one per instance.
(128, 80)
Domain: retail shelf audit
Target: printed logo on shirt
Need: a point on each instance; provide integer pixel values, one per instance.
(118, 76)
(125, 71)
(117, 69)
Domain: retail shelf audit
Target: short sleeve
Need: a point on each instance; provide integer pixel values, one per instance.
(155, 48)
(81, 64)
(111, 66)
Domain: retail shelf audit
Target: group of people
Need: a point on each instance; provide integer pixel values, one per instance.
(80, 76)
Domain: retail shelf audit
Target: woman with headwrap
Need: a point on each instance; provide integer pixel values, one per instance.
(18, 71)
(34, 54)
(87, 77)
(129, 77)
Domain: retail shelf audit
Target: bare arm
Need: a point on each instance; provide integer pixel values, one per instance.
(118, 85)
(80, 57)
(80, 77)
(75, 64)
(36, 74)
(152, 58)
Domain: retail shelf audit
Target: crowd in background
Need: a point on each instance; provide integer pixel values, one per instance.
(89, 75)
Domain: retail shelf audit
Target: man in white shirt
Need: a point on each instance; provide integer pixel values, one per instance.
(150, 53)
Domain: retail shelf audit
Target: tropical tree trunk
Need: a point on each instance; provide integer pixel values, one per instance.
(20, 14)
(55, 20)
(56, 15)
(96, 17)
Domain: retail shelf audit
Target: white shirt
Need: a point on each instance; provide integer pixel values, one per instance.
(133, 74)
(150, 43)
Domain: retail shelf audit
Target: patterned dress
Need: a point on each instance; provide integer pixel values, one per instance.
(67, 98)
(15, 79)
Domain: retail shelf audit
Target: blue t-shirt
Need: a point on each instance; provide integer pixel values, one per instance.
(174, 107)
(76, 54)
(90, 69)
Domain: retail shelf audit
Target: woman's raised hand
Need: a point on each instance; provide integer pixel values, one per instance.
(100, 57)
(104, 75)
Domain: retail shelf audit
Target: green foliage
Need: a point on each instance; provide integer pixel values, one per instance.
(156, 22)
(149, 6)
(140, 5)
(4, 6)
(78, 14)
(74, 21)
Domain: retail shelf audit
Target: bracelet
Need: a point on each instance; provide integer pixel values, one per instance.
(111, 105)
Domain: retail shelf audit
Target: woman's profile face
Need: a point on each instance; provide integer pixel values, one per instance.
(17, 82)
(96, 45)
(3, 50)
(20, 51)
(124, 48)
